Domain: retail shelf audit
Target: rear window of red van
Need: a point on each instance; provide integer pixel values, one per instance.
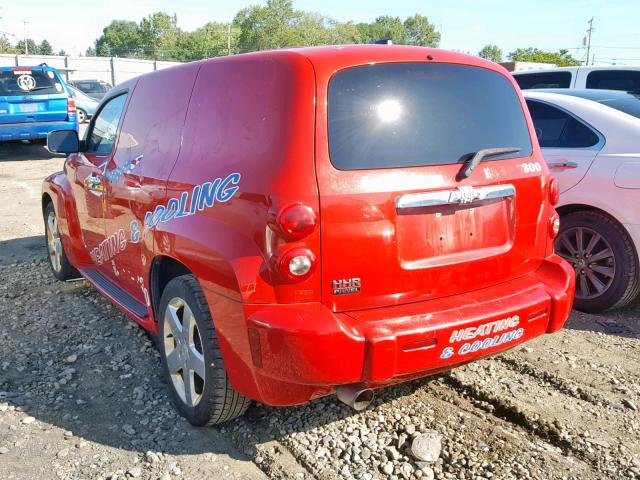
(416, 114)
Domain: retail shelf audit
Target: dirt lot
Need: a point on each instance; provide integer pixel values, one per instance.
(80, 394)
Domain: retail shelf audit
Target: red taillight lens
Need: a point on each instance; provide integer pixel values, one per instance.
(296, 221)
(554, 191)
(71, 105)
(296, 264)
(554, 225)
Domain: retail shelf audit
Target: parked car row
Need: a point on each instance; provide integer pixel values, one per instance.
(35, 100)
(591, 142)
(625, 78)
(587, 120)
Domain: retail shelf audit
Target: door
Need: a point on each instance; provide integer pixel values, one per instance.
(398, 223)
(136, 175)
(85, 171)
(569, 145)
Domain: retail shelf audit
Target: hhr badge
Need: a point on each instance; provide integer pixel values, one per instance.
(464, 194)
(342, 287)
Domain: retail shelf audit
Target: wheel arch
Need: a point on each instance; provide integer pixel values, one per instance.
(46, 200)
(163, 269)
(227, 315)
(582, 207)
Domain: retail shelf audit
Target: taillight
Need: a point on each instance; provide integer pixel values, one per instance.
(554, 191)
(296, 221)
(295, 264)
(554, 225)
(71, 105)
(292, 261)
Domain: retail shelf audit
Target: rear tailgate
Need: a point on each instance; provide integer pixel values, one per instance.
(396, 225)
(31, 95)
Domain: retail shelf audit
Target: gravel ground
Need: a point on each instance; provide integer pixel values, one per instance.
(81, 396)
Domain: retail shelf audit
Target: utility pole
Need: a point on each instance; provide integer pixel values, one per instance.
(229, 39)
(589, 31)
(26, 44)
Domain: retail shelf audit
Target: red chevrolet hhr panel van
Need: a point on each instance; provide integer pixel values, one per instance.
(300, 222)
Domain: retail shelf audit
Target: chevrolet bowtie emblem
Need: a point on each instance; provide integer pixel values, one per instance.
(464, 195)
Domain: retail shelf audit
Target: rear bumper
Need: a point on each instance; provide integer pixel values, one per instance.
(33, 130)
(301, 351)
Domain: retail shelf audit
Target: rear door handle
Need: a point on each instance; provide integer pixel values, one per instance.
(459, 196)
(562, 165)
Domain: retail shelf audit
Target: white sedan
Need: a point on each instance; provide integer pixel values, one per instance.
(591, 142)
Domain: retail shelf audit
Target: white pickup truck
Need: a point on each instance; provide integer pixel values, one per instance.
(625, 78)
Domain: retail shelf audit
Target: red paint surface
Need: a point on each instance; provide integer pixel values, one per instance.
(263, 116)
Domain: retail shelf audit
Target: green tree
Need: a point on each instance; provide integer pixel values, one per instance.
(387, 28)
(30, 46)
(45, 48)
(159, 35)
(344, 33)
(415, 30)
(62, 53)
(211, 40)
(121, 38)
(561, 58)
(418, 31)
(272, 26)
(491, 52)
(5, 45)
(312, 29)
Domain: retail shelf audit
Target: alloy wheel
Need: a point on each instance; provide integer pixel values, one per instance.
(183, 351)
(53, 242)
(591, 256)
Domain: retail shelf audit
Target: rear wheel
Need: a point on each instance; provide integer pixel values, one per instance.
(58, 261)
(604, 258)
(82, 116)
(193, 365)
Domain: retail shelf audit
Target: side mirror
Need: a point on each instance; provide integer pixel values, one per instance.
(63, 141)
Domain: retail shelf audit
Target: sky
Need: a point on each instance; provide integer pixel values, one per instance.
(465, 25)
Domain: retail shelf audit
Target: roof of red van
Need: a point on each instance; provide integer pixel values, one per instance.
(338, 56)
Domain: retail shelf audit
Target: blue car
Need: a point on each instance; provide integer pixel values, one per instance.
(85, 105)
(33, 102)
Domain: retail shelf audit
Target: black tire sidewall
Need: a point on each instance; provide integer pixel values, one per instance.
(201, 413)
(625, 258)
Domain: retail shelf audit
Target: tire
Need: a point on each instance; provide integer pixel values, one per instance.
(206, 397)
(58, 260)
(82, 116)
(606, 264)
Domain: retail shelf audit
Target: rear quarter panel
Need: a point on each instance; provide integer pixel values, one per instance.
(252, 116)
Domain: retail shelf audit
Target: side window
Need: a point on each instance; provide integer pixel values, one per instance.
(102, 135)
(627, 80)
(557, 129)
(543, 80)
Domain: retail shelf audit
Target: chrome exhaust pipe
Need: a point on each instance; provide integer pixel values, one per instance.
(357, 395)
